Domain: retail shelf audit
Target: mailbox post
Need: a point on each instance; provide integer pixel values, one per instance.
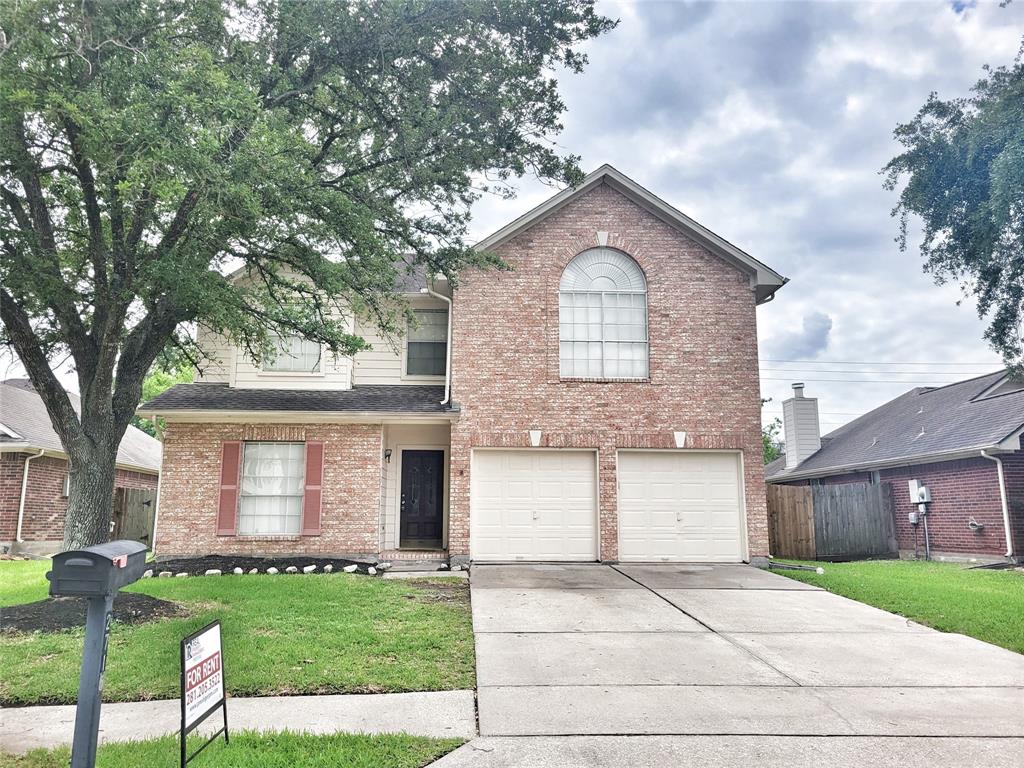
(95, 573)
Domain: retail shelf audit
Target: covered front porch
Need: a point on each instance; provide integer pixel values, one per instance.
(414, 491)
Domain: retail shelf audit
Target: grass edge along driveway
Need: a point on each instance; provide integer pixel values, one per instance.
(283, 635)
(253, 750)
(981, 603)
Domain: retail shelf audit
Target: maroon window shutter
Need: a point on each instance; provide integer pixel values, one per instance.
(314, 489)
(230, 470)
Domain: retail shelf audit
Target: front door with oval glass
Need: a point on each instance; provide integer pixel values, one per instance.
(421, 503)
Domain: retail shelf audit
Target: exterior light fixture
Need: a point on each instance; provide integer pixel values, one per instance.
(387, 455)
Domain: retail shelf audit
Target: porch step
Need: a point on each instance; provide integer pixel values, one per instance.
(417, 555)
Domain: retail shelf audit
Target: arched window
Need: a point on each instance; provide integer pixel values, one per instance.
(602, 312)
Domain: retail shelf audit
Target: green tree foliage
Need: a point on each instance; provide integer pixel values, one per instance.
(963, 168)
(159, 379)
(771, 439)
(147, 149)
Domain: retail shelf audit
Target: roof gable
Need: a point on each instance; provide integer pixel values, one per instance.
(764, 279)
(26, 425)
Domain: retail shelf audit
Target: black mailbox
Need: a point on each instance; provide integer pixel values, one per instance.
(97, 571)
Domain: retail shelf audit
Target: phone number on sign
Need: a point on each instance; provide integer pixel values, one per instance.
(202, 690)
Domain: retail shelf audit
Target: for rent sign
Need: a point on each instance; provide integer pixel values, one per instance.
(202, 683)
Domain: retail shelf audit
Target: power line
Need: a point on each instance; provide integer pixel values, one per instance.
(876, 362)
(887, 373)
(859, 381)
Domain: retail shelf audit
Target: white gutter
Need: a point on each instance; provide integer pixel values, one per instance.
(448, 347)
(1002, 499)
(24, 493)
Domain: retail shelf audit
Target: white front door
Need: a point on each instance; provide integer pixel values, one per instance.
(680, 506)
(533, 505)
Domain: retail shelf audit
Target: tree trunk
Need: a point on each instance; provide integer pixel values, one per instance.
(90, 500)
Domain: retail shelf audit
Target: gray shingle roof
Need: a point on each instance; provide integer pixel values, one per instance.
(22, 411)
(922, 422)
(220, 397)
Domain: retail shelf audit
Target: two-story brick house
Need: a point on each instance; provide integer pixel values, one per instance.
(602, 404)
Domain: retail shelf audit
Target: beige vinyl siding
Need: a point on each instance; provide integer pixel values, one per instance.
(232, 366)
(410, 437)
(800, 428)
(221, 353)
(385, 362)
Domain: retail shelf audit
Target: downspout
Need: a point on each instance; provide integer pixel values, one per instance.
(24, 493)
(1002, 499)
(448, 347)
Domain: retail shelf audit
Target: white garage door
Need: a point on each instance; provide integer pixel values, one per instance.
(533, 505)
(680, 506)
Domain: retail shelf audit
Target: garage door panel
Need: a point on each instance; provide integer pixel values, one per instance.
(534, 505)
(679, 506)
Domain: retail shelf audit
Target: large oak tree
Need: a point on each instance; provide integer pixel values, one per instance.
(961, 173)
(149, 147)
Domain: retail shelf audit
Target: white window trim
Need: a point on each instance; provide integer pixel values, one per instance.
(242, 495)
(271, 374)
(604, 342)
(419, 378)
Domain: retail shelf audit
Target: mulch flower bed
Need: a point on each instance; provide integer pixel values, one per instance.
(56, 614)
(198, 566)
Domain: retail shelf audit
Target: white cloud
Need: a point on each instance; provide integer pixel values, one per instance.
(768, 123)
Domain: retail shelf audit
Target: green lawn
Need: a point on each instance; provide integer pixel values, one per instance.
(250, 750)
(985, 604)
(283, 634)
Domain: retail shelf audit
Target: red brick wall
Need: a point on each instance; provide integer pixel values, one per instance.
(187, 518)
(703, 358)
(960, 490)
(11, 465)
(44, 503)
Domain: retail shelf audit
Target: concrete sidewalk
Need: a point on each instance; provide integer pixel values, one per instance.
(440, 714)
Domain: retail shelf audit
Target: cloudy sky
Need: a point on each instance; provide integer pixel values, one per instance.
(768, 122)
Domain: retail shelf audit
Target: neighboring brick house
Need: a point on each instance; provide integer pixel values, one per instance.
(961, 441)
(603, 404)
(34, 476)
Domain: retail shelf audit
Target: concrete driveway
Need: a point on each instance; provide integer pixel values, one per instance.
(599, 665)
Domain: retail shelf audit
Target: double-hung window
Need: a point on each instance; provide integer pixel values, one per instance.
(602, 310)
(293, 353)
(427, 343)
(273, 483)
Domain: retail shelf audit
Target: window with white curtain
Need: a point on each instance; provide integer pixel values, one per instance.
(293, 353)
(426, 348)
(273, 483)
(602, 311)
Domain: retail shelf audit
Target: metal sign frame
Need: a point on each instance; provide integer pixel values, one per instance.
(221, 703)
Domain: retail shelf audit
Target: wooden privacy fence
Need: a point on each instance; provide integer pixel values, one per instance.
(847, 521)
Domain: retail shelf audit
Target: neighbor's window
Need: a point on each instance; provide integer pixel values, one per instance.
(602, 311)
(427, 343)
(273, 481)
(293, 353)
